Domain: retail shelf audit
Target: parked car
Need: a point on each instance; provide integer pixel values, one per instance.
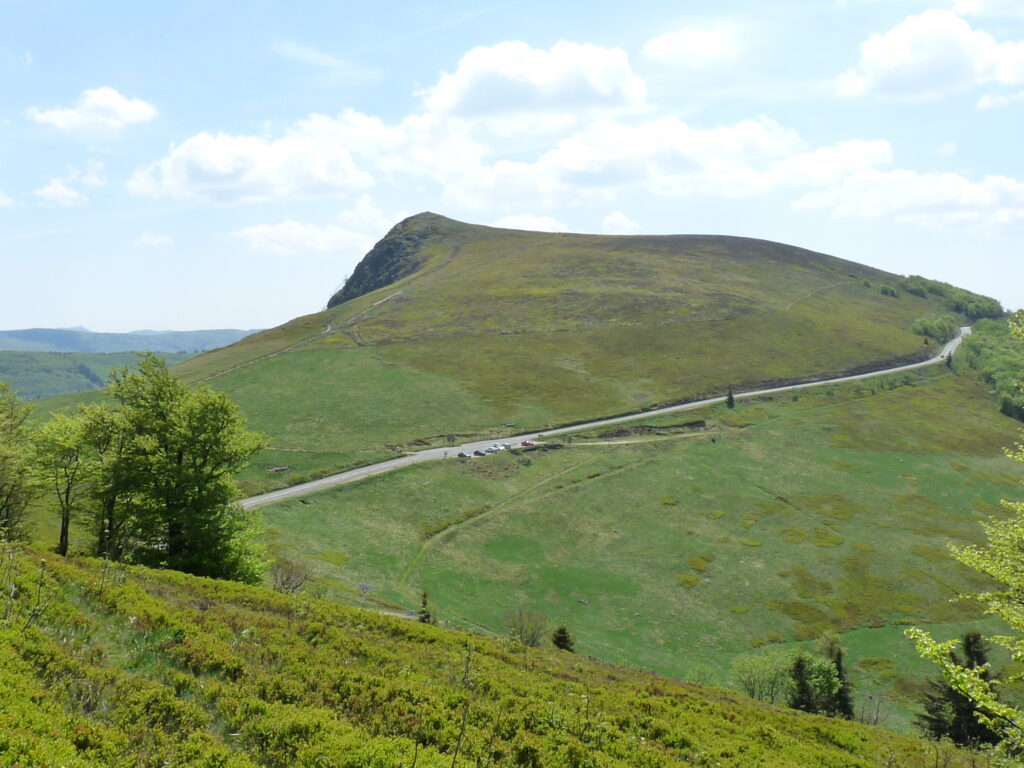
(479, 453)
(490, 449)
(527, 443)
(463, 455)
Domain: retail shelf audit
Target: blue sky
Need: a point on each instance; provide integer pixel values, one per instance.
(211, 164)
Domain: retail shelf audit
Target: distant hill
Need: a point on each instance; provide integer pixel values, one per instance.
(448, 328)
(35, 375)
(81, 340)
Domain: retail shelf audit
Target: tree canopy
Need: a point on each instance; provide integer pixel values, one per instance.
(1001, 559)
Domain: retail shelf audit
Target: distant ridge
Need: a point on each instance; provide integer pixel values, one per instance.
(81, 340)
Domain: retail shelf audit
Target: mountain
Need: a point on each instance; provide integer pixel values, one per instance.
(449, 328)
(82, 340)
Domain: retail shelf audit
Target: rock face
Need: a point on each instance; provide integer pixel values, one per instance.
(397, 254)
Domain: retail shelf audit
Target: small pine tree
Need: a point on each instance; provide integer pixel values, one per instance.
(730, 401)
(561, 638)
(841, 704)
(947, 712)
(801, 694)
(425, 615)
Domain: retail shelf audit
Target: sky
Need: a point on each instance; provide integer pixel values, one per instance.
(212, 164)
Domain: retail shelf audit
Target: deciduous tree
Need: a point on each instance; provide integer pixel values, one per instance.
(16, 482)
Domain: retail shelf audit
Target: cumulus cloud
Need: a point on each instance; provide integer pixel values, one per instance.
(618, 223)
(224, 168)
(693, 47)
(98, 110)
(926, 199)
(931, 54)
(555, 87)
(290, 237)
(153, 240)
(354, 233)
(59, 192)
(531, 222)
(989, 7)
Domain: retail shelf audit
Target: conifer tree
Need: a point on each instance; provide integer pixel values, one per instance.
(801, 695)
(948, 713)
(561, 638)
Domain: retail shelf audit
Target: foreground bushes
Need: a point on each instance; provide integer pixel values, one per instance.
(107, 665)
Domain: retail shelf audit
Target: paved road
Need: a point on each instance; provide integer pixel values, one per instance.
(433, 454)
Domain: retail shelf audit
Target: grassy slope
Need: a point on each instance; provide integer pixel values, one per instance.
(830, 509)
(504, 326)
(37, 375)
(138, 668)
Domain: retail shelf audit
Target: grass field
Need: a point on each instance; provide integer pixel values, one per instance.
(508, 327)
(827, 509)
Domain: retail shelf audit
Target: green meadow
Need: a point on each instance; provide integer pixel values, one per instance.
(677, 549)
(499, 327)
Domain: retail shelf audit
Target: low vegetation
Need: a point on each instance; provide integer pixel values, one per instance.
(131, 668)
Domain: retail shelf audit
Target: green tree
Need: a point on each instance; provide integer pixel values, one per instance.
(948, 714)
(730, 401)
(1001, 559)
(801, 694)
(16, 482)
(160, 462)
(561, 638)
(836, 698)
(65, 467)
(425, 615)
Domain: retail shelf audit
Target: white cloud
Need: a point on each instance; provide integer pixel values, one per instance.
(354, 233)
(618, 223)
(153, 240)
(531, 222)
(338, 71)
(58, 192)
(224, 168)
(926, 56)
(926, 199)
(98, 110)
(989, 7)
(555, 87)
(947, 148)
(5, 201)
(290, 237)
(996, 100)
(692, 47)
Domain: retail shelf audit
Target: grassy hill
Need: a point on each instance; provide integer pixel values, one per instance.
(684, 542)
(456, 329)
(35, 375)
(127, 667)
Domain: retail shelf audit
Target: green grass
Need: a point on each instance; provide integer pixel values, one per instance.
(828, 511)
(507, 327)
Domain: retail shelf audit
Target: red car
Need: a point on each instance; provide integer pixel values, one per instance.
(527, 443)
